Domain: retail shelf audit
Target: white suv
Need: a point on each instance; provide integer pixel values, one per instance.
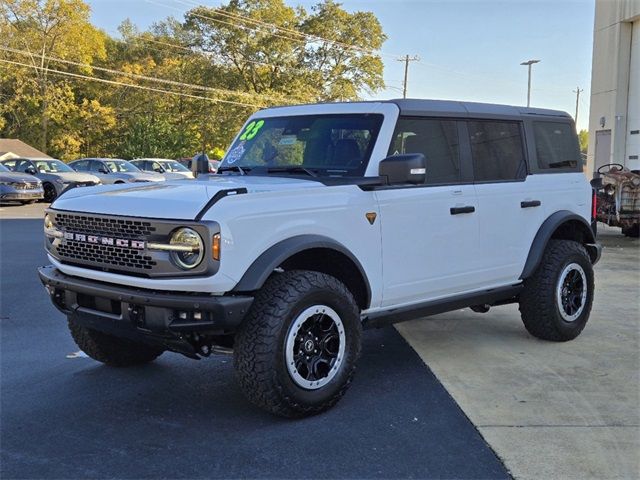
(324, 220)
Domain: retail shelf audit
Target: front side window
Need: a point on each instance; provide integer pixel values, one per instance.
(556, 146)
(437, 140)
(337, 145)
(117, 166)
(52, 166)
(497, 150)
(97, 167)
(23, 165)
(80, 166)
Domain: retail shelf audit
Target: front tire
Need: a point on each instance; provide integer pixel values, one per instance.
(110, 350)
(296, 352)
(50, 193)
(556, 300)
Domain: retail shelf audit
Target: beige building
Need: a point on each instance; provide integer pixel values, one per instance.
(14, 148)
(614, 120)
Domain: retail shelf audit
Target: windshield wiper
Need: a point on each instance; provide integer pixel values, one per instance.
(292, 169)
(234, 168)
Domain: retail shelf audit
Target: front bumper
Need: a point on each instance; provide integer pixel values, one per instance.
(160, 318)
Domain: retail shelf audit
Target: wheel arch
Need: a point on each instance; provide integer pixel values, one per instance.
(309, 252)
(562, 225)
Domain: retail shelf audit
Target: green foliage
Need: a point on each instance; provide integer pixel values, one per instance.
(583, 137)
(223, 72)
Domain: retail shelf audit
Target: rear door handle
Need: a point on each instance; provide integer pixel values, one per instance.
(459, 210)
(530, 203)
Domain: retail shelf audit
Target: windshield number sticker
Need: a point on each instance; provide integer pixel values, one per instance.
(252, 130)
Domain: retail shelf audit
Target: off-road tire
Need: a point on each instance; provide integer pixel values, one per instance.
(259, 350)
(112, 351)
(538, 304)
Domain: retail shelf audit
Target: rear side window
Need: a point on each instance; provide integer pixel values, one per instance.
(437, 140)
(497, 150)
(556, 146)
(82, 165)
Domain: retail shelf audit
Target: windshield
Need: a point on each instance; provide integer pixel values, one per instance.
(3, 168)
(173, 166)
(328, 144)
(116, 166)
(52, 166)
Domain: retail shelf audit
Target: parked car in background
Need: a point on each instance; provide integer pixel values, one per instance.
(114, 170)
(171, 169)
(618, 198)
(19, 187)
(56, 176)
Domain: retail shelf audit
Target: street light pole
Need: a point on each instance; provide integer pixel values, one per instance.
(528, 63)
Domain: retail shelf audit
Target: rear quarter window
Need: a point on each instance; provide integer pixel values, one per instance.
(557, 147)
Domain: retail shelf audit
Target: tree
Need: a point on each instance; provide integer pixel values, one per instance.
(583, 137)
(48, 29)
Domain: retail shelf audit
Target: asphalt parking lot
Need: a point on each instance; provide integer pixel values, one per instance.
(547, 410)
(178, 418)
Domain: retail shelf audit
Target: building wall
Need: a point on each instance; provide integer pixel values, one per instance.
(615, 85)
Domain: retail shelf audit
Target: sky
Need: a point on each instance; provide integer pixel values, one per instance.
(469, 49)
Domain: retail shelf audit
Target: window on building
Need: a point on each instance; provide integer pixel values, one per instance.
(437, 140)
(497, 151)
(556, 145)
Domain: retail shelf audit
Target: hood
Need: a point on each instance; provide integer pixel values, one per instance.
(168, 200)
(75, 177)
(17, 177)
(148, 176)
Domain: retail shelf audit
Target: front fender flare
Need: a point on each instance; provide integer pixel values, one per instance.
(257, 274)
(546, 231)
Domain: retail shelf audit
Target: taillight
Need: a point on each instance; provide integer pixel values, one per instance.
(594, 205)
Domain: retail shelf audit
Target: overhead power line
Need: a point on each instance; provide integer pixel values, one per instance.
(122, 84)
(307, 36)
(284, 32)
(147, 78)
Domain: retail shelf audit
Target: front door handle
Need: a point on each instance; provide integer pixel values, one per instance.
(459, 210)
(530, 203)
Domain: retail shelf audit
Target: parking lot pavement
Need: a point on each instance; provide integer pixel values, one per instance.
(550, 410)
(179, 418)
(15, 210)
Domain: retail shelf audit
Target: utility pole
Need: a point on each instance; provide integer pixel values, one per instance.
(406, 61)
(577, 92)
(528, 63)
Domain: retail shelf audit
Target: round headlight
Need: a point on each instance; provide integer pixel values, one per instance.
(193, 252)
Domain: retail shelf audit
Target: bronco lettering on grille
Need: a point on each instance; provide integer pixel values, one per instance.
(100, 240)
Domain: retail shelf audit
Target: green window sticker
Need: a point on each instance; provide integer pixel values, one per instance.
(252, 130)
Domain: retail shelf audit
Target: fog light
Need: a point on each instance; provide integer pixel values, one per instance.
(197, 315)
(182, 315)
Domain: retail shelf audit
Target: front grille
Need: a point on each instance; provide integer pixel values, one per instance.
(109, 256)
(119, 244)
(129, 229)
(25, 185)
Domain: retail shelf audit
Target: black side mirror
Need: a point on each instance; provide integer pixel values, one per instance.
(159, 170)
(103, 170)
(30, 170)
(401, 169)
(596, 183)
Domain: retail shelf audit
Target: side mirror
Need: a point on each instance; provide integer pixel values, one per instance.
(159, 170)
(402, 169)
(596, 183)
(30, 170)
(103, 170)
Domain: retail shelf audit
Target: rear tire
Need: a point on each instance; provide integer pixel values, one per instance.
(110, 350)
(296, 351)
(556, 300)
(633, 231)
